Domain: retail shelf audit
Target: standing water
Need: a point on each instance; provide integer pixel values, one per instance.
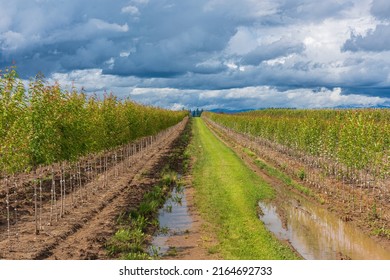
(173, 219)
(316, 233)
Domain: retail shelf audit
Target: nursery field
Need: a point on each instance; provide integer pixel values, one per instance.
(83, 177)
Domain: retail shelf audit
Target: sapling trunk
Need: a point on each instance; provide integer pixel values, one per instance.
(16, 208)
(61, 191)
(8, 208)
(40, 201)
(35, 204)
(72, 190)
(116, 164)
(79, 181)
(53, 205)
(64, 200)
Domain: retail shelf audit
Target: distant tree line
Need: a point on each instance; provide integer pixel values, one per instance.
(196, 113)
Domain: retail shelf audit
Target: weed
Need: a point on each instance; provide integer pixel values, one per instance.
(260, 164)
(164, 230)
(168, 209)
(213, 250)
(126, 240)
(180, 187)
(147, 207)
(140, 222)
(178, 199)
(172, 251)
(121, 218)
(301, 174)
(374, 213)
(154, 223)
(154, 252)
(169, 178)
(382, 232)
(136, 256)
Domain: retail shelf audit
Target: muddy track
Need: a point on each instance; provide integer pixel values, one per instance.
(332, 203)
(83, 231)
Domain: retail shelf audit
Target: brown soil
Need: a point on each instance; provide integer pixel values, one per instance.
(197, 242)
(193, 244)
(329, 200)
(84, 228)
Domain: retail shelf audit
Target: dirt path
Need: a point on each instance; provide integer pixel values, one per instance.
(335, 206)
(195, 243)
(226, 195)
(83, 231)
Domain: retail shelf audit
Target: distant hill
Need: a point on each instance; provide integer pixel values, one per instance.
(383, 106)
(228, 111)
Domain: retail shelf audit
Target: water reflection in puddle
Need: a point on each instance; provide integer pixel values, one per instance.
(173, 219)
(316, 233)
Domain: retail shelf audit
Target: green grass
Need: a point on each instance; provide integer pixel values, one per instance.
(227, 193)
(279, 174)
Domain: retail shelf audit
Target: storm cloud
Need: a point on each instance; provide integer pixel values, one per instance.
(173, 50)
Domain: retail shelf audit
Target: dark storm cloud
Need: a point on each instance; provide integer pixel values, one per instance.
(271, 51)
(212, 45)
(170, 38)
(309, 10)
(381, 9)
(377, 40)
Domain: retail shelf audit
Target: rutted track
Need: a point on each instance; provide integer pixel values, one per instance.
(82, 232)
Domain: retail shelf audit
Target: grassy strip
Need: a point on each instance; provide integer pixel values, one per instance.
(277, 174)
(227, 193)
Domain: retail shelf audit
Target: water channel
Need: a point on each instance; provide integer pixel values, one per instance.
(173, 219)
(316, 233)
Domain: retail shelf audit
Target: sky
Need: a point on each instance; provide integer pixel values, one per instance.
(210, 54)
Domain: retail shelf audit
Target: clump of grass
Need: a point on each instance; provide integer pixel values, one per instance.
(213, 249)
(137, 256)
(172, 252)
(130, 240)
(177, 199)
(384, 232)
(126, 240)
(168, 208)
(169, 178)
(301, 174)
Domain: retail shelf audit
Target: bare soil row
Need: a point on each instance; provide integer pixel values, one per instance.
(85, 217)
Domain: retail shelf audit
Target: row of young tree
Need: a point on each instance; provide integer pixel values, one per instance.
(356, 139)
(44, 124)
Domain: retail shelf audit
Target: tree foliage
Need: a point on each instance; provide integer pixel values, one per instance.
(46, 124)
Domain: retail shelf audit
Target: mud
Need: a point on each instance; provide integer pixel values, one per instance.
(84, 228)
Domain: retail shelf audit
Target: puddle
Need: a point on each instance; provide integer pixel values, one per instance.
(174, 219)
(316, 233)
